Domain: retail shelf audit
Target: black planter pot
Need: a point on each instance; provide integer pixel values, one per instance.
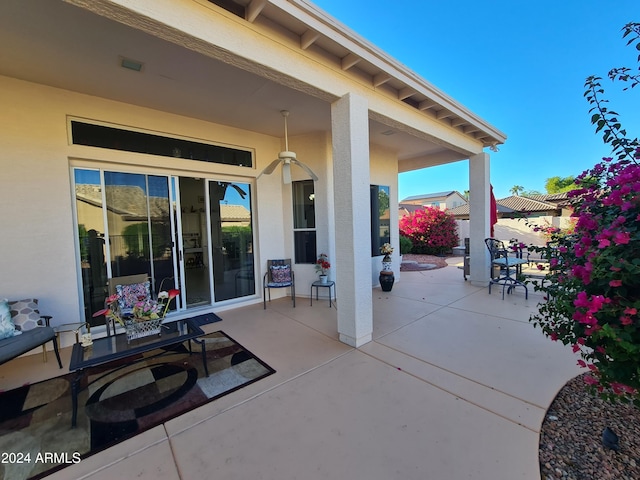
(386, 280)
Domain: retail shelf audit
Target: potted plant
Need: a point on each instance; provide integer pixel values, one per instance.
(386, 275)
(322, 266)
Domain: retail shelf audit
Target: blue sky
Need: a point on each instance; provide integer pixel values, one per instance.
(519, 65)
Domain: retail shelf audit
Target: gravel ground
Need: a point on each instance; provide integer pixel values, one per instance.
(571, 438)
(439, 262)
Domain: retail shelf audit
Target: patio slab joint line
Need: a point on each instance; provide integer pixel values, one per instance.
(455, 394)
(259, 394)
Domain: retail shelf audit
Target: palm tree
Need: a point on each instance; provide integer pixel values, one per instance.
(516, 189)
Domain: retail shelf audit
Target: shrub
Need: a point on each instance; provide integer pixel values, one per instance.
(405, 245)
(430, 230)
(593, 286)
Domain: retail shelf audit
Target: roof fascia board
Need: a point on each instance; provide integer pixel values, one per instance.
(322, 23)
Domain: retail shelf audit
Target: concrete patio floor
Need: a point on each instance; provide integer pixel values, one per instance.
(455, 385)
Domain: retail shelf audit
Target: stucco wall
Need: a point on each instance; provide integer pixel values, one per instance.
(384, 171)
(508, 228)
(38, 242)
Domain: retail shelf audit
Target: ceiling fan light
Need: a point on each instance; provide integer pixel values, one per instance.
(286, 173)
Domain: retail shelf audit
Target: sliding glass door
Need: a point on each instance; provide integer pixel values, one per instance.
(124, 228)
(231, 237)
(189, 233)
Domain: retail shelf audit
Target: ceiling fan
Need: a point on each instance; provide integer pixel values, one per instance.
(287, 158)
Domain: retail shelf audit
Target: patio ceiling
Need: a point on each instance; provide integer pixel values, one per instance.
(58, 44)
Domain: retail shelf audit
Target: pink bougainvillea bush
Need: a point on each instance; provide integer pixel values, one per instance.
(593, 285)
(431, 230)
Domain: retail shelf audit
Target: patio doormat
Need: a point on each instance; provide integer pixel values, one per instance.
(117, 402)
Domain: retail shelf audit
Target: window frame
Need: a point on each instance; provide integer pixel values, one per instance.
(298, 192)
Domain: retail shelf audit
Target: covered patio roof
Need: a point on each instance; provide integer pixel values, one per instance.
(91, 47)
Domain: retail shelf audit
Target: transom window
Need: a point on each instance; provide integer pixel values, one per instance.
(103, 136)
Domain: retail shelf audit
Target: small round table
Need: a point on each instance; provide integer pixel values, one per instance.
(76, 328)
(330, 284)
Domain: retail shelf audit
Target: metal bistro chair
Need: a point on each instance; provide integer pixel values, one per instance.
(505, 264)
(279, 275)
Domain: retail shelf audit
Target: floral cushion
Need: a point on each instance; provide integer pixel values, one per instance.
(129, 295)
(7, 329)
(25, 314)
(280, 275)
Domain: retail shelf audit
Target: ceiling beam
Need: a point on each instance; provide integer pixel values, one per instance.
(381, 78)
(426, 104)
(456, 122)
(406, 92)
(308, 38)
(444, 113)
(254, 9)
(350, 60)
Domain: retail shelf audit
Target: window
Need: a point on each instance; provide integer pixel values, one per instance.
(304, 221)
(138, 142)
(380, 219)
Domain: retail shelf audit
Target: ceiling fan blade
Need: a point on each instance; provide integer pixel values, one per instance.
(306, 169)
(286, 173)
(270, 168)
(240, 191)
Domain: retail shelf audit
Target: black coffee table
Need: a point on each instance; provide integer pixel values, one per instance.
(116, 347)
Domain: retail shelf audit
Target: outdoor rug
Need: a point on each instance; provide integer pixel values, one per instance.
(117, 401)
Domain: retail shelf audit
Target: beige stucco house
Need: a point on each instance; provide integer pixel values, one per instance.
(179, 101)
(441, 200)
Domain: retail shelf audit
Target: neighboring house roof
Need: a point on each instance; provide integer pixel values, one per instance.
(430, 196)
(549, 197)
(234, 213)
(524, 204)
(559, 199)
(511, 205)
(405, 209)
(463, 210)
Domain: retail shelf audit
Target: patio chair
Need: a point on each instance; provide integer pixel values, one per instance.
(24, 329)
(507, 266)
(279, 275)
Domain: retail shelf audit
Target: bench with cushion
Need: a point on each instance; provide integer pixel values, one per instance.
(22, 329)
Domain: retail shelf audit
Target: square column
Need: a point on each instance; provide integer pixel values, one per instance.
(479, 218)
(351, 174)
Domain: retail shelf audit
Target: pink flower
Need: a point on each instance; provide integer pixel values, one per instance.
(615, 283)
(621, 238)
(588, 379)
(626, 320)
(604, 243)
(630, 311)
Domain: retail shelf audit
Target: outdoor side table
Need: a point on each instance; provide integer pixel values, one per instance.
(318, 284)
(76, 328)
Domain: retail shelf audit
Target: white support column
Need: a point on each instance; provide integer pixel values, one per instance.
(479, 218)
(350, 136)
